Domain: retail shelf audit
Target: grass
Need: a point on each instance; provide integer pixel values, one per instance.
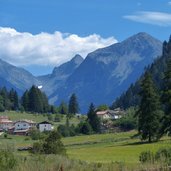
(103, 148)
(108, 148)
(92, 152)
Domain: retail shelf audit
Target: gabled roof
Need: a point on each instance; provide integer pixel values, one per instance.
(44, 122)
(27, 121)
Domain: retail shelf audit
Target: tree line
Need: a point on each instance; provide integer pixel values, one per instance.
(33, 100)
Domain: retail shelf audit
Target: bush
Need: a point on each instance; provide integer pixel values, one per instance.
(64, 130)
(5, 135)
(35, 134)
(146, 156)
(164, 155)
(50, 117)
(57, 118)
(37, 148)
(50, 145)
(84, 128)
(7, 160)
(127, 122)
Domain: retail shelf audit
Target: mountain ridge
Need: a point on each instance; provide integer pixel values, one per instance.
(100, 78)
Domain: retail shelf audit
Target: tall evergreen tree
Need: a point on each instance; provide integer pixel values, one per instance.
(35, 100)
(2, 108)
(13, 96)
(6, 101)
(63, 109)
(16, 101)
(149, 113)
(93, 119)
(25, 101)
(166, 99)
(73, 107)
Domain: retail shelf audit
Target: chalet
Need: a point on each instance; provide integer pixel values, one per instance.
(5, 123)
(22, 127)
(110, 114)
(45, 126)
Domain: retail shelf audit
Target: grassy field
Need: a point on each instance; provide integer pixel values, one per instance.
(110, 147)
(103, 148)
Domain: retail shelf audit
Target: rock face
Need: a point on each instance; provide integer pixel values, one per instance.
(100, 78)
(107, 72)
(60, 74)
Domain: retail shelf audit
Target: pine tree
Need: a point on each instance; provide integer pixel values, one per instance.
(93, 119)
(2, 108)
(6, 101)
(35, 100)
(73, 107)
(13, 96)
(25, 101)
(149, 113)
(166, 99)
(63, 109)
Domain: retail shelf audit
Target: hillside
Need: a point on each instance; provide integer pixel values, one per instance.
(130, 97)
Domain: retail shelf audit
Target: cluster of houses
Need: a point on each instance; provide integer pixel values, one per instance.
(22, 127)
(111, 114)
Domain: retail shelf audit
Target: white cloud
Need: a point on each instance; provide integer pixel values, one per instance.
(150, 17)
(23, 49)
(169, 3)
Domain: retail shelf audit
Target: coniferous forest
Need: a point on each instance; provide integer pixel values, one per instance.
(32, 100)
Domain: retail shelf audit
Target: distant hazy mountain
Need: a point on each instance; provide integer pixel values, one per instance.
(15, 77)
(107, 72)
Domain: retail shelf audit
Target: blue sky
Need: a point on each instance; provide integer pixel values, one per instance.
(93, 23)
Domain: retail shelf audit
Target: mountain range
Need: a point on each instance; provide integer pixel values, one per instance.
(100, 78)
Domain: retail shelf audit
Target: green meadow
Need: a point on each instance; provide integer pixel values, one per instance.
(86, 151)
(101, 148)
(106, 148)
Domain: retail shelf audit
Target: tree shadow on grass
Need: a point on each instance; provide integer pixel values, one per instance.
(142, 143)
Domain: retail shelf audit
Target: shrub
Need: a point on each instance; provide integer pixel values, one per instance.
(127, 122)
(57, 118)
(164, 155)
(84, 128)
(146, 156)
(50, 117)
(50, 145)
(35, 134)
(5, 135)
(7, 160)
(37, 148)
(64, 130)
(53, 144)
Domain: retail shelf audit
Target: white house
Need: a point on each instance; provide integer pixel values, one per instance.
(5, 123)
(103, 114)
(110, 114)
(45, 126)
(24, 124)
